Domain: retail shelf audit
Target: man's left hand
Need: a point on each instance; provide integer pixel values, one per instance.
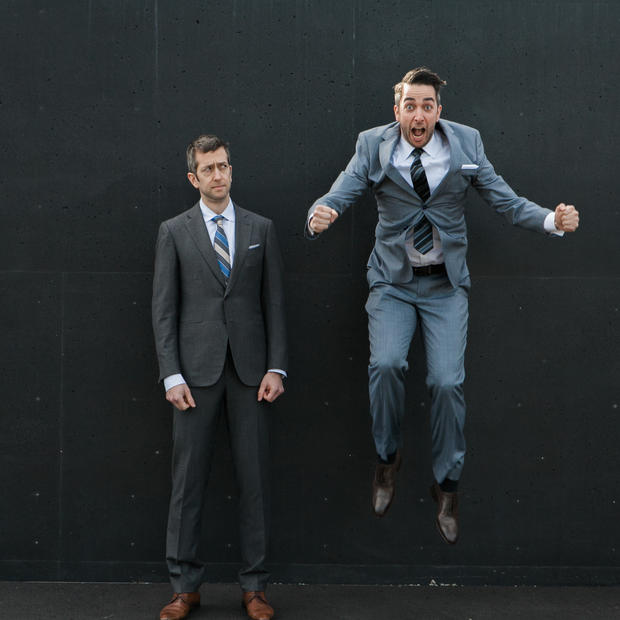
(270, 387)
(566, 218)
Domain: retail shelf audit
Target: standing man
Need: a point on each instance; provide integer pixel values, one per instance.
(218, 319)
(420, 169)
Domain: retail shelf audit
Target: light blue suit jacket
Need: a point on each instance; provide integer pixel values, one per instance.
(400, 208)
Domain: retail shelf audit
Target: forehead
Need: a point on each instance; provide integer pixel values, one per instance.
(418, 92)
(211, 157)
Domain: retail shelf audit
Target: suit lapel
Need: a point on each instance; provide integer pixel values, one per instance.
(456, 156)
(243, 230)
(195, 225)
(386, 148)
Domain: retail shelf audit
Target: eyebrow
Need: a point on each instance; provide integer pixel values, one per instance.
(425, 99)
(217, 163)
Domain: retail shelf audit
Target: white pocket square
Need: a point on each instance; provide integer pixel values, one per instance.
(253, 247)
(470, 167)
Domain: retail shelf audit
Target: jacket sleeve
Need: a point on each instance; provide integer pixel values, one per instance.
(165, 304)
(272, 300)
(350, 185)
(499, 195)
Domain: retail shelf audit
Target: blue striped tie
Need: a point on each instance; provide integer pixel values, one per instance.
(423, 231)
(220, 244)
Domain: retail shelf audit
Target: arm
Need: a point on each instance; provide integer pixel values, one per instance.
(518, 210)
(345, 191)
(272, 301)
(165, 304)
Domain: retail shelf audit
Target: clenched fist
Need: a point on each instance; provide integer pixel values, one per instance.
(322, 218)
(566, 218)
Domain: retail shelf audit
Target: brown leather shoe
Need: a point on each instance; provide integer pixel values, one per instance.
(180, 606)
(447, 514)
(383, 486)
(257, 606)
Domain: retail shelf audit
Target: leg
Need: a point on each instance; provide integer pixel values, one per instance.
(391, 325)
(443, 314)
(193, 437)
(247, 422)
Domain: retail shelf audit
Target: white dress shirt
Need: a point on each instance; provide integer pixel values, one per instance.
(229, 228)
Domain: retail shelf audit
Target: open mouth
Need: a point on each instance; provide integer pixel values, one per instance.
(418, 132)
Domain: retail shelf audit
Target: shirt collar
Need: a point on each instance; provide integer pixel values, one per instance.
(228, 212)
(432, 148)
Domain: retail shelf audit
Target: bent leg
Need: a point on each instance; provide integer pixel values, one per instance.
(391, 325)
(444, 324)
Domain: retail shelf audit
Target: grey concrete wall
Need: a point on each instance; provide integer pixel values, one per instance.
(98, 100)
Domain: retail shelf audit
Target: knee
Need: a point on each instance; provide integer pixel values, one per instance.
(444, 385)
(387, 365)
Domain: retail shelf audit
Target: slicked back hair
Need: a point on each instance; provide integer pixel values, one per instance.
(205, 144)
(419, 75)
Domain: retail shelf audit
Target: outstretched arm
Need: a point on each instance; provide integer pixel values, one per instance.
(517, 209)
(345, 191)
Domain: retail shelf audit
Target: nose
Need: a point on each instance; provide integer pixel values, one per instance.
(217, 173)
(417, 115)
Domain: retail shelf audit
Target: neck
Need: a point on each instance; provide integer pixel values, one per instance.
(217, 206)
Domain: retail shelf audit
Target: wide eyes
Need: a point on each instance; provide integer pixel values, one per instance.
(427, 108)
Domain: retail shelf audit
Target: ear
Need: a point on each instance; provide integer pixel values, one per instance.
(193, 180)
(438, 112)
(397, 113)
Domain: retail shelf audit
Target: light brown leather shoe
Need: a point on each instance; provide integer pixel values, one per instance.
(257, 606)
(383, 486)
(180, 606)
(447, 514)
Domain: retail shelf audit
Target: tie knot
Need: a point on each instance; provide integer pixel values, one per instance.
(417, 153)
(218, 219)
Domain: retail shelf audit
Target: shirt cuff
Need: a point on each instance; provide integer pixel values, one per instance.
(280, 372)
(310, 231)
(173, 381)
(550, 225)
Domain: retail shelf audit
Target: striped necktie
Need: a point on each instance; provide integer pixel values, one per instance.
(220, 244)
(423, 231)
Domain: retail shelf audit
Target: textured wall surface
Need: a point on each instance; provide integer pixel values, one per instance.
(98, 100)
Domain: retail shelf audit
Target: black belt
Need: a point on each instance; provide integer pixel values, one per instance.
(429, 270)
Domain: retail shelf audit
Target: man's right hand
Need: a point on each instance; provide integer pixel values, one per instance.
(180, 397)
(322, 218)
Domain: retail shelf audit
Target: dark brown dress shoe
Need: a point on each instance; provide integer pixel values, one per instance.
(383, 485)
(180, 606)
(257, 606)
(447, 514)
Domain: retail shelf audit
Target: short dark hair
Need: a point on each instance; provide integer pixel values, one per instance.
(205, 144)
(419, 75)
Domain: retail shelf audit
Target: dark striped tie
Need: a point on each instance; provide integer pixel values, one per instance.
(220, 243)
(423, 231)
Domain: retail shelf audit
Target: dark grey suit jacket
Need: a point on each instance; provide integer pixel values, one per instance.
(197, 315)
(400, 208)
